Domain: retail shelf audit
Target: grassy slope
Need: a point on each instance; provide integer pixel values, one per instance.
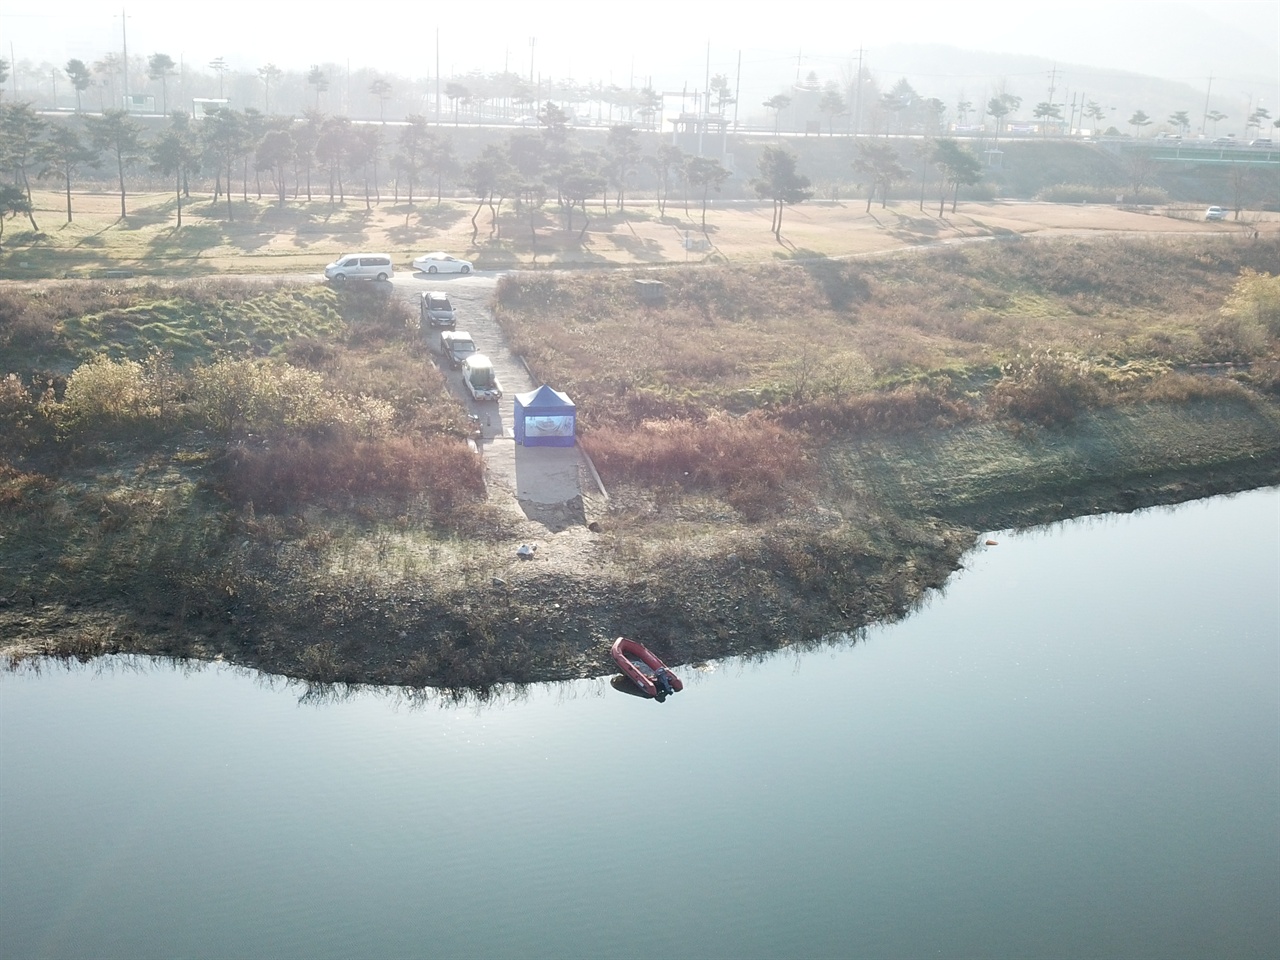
(991, 477)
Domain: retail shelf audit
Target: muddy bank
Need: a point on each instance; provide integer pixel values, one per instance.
(791, 588)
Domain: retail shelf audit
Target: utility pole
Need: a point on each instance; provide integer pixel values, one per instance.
(857, 96)
(1205, 117)
(737, 92)
(124, 40)
(705, 116)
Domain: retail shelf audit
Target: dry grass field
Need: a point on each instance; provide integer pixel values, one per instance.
(301, 237)
(275, 472)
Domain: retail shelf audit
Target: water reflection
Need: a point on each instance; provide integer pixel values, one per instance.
(1074, 752)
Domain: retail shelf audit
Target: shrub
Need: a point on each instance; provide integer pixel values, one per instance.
(107, 393)
(746, 456)
(23, 417)
(1046, 388)
(1255, 298)
(293, 471)
(236, 397)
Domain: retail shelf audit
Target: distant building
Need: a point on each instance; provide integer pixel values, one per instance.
(203, 106)
(701, 134)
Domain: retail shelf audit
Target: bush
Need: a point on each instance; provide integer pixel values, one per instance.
(1255, 298)
(106, 393)
(24, 422)
(293, 471)
(1047, 388)
(237, 397)
(746, 457)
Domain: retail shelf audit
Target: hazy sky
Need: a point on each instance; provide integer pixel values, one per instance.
(1235, 41)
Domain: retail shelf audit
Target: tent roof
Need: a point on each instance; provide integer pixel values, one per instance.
(544, 397)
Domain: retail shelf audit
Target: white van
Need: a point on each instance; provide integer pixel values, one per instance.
(360, 266)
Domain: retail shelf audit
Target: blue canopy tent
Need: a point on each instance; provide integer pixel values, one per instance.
(545, 418)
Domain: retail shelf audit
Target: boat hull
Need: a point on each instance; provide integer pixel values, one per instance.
(643, 668)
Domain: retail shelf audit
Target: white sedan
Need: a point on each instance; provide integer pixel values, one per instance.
(441, 263)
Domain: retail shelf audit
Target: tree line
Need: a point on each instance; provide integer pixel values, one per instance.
(318, 155)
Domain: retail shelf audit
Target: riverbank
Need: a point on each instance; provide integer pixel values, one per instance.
(696, 587)
(278, 475)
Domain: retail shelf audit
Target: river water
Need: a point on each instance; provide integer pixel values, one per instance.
(1072, 751)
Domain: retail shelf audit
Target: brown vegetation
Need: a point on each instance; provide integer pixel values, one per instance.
(790, 451)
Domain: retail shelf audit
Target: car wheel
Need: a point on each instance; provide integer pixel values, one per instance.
(431, 269)
(340, 278)
(382, 277)
(466, 269)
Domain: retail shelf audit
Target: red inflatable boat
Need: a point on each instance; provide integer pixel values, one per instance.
(644, 669)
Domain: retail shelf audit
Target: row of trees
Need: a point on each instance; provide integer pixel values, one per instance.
(504, 94)
(319, 154)
(280, 153)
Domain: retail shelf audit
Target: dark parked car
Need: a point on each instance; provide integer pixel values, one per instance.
(456, 346)
(436, 310)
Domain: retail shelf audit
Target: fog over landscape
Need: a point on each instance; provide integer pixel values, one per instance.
(1228, 51)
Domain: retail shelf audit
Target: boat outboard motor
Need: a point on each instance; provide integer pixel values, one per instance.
(664, 682)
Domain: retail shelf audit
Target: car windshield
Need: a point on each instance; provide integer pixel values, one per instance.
(462, 346)
(438, 303)
(482, 376)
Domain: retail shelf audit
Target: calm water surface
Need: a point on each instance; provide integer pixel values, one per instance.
(1074, 752)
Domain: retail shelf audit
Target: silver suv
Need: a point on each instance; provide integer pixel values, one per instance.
(436, 310)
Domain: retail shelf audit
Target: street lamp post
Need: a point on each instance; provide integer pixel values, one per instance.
(124, 42)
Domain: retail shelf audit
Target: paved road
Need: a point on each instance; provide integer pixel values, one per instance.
(533, 475)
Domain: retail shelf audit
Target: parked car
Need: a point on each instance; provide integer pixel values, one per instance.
(481, 380)
(440, 262)
(1224, 141)
(1260, 142)
(436, 310)
(1215, 213)
(456, 346)
(360, 266)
